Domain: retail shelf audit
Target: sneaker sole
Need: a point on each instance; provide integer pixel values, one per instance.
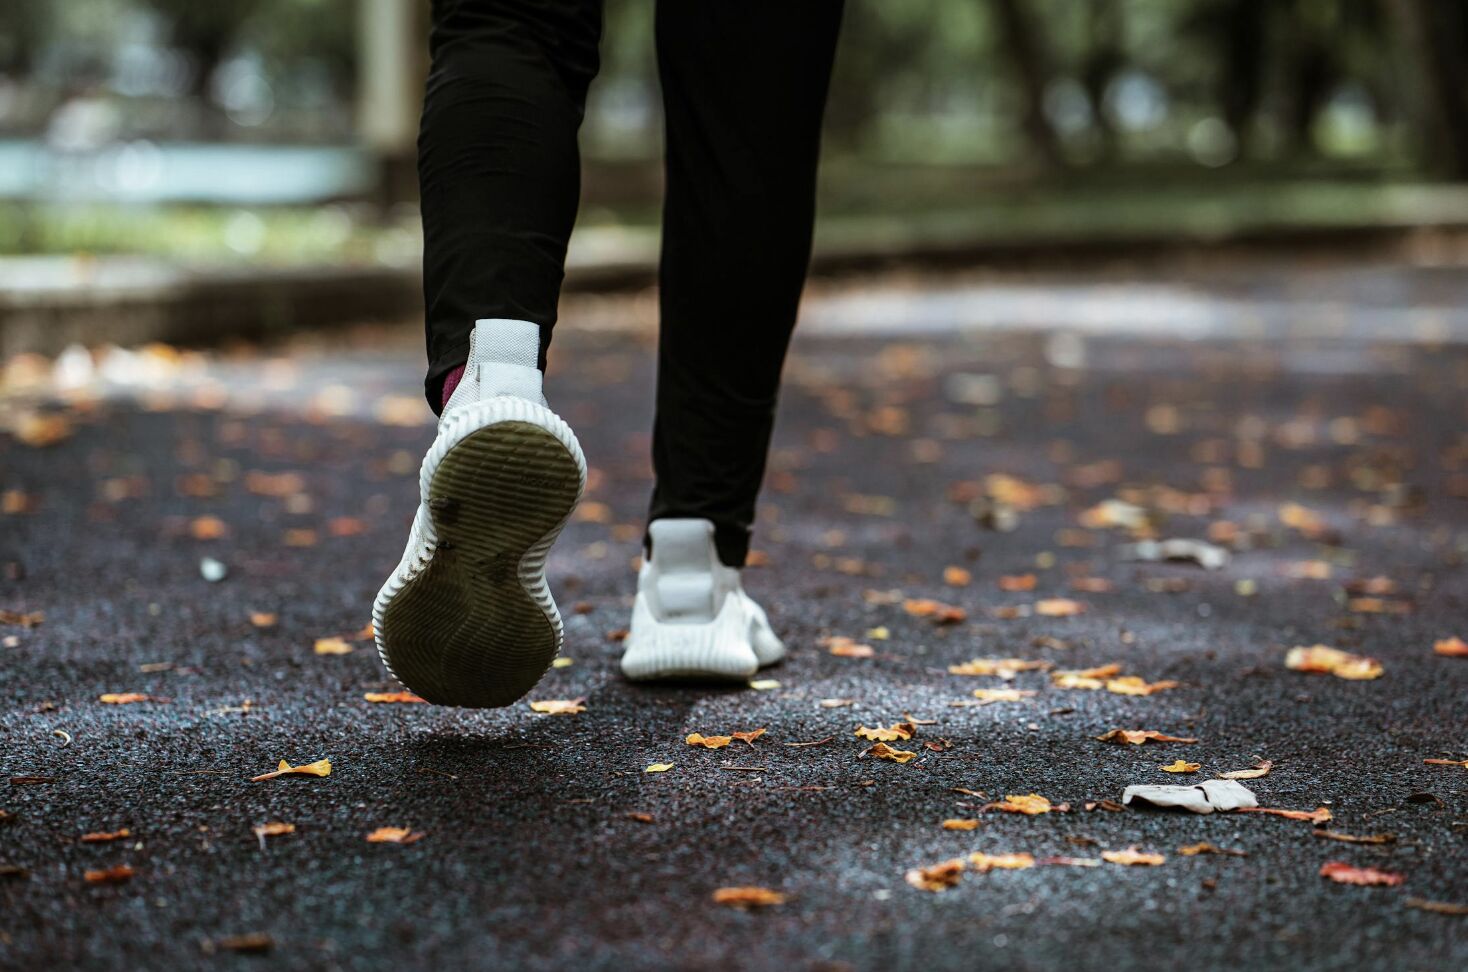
(470, 620)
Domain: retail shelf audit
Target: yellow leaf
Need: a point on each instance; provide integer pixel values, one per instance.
(884, 751)
(563, 662)
(898, 730)
(1005, 668)
(123, 698)
(1260, 769)
(1135, 685)
(332, 646)
(1133, 857)
(748, 737)
(1181, 766)
(938, 877)
(988, 696)
(1029, 805)
(1139, 736)
(983, 863)
(764, 684)
(1454, 647)
(558, 706)
(658, 768)
(384, 697)
(960, 823)
(393, 835)
(322, 767)
(708, 742)
(1059, 607)
(1333, 661)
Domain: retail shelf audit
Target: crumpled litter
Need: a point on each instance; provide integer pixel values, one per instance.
(1205, 555)
(1205, 797)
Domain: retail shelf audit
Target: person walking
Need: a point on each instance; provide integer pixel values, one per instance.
(467, 617)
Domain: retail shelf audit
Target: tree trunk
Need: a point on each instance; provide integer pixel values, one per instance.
(1025, 49)
(1435, 40)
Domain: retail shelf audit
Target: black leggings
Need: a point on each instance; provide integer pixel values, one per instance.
(744, 86)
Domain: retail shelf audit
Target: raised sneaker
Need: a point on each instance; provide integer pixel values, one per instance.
(692, 619)
(467, 617)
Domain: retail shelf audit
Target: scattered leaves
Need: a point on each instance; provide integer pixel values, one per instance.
(1137, 737)
(883, 751)
(1447, 762)
(844, 647)
(988, 696)
(894, 732)
(1343, 873)
(936, 611)
(1332, 661)
(937, 877)
(332, 646)
(1437, 907)
(748, 897)
(123, 698)
(708, 742)
(748, 738)
(1203, 847)
(1059, 607)
(272, 829)
(1005, 668)
(322, 767)
(1352, 838)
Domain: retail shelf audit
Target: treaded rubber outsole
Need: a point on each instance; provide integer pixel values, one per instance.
(473, 624)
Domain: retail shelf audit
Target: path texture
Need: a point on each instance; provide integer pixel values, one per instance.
(1000, 474)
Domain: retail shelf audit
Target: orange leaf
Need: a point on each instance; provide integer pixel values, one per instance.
(884, 751)
(988, 696)
(382, 697)
(1343, 873)
(1352, 838)
(99, 838)
(844, 647)
(1317, 816)
(748, 738)
(1133, 857)
(263, 619)
(394, 835)
(748, 897)
(112, 875)
(322, 767)
(1181, 766)
(1137, 737)
(1017, 582)
(1332, 661)
(957, 577)
(1135, 685)
(1447, 762)
(558, 706)
(1454, 647)
(708, 742)
(1193, 850)
(960, 823)
(208, 528)
(936, 610)
(1059, 607)
(1029, 805)
(1005, 668)
(123, 698)
(938, 877)
(984, 863)
(274, 829)
(898, 730)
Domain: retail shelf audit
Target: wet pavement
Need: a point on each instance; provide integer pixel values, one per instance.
(1333, 469)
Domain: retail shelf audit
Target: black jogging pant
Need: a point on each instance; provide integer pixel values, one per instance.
(744, 86)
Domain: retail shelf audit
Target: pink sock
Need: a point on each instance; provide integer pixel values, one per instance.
(450, 382)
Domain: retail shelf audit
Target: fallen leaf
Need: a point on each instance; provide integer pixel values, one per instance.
(957, 577)
(960, 823)
(646, 818)
(322, 767)
(31, 619)
(1343, 873)
(1085, 678)
(1447, 762)
(1137, 737)
(988, 696)
(1069, 862)
(658, 768)
(332, 646)
(1193, 850)
(252, 942)
(844, 647)
(1005, 668)
(1453, 647)
(1059, 607)
(1029, 805)
(1332, 661)
(123, 698)
(1261, 768)
(1181, 766)
(1436, 907)
(898, 730)
(748, 738)
(263, 619)
(100, 838)
(558, 706)
(1135, 685)
(394, 835)
(764, 684)
(274, 829)
(984, 863)
(208, 528)
(937, 877)
(1352, 838)
(748, 897)
(387, 697)
(1017, 582)
(1378, 605)
(563, 662)
(112, 875)
(883, 751)
(708, 742)
(836, 703)
(936, 611)
(1133, 857)
(1319, 815)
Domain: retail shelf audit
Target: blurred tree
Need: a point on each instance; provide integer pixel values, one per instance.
(1025, 46)
(1434, 40)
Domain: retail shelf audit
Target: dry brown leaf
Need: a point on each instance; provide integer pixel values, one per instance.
(898, 730)
(1069, 862)
(559, 706)
(883, 751)
(1437, 907)
(1352, 838)
(394, 835)
(24, 619)
(957, 576)
(40, 430)
(1017, 582)
(1193, 850)
(748, 897)
(708, 742)
(1059, 607)
(1136, 685)
(960, 823)
(937, 877)
(1343, 873)
(1453, 647)
(1133, 857)
(984, 863)
(1332, 661)
(1137, 737)
(104, 837)
(748, 738)
(1181, 766)
(1005, 668)
(263, 619)
(1319, 815)
(988, 696)
(208, 528)
(639, 816)
(1447, 762)
(123, 698)
(273, 829)
(937, 611)
(322, 767)
(1378, 605)
(390, 697)
(252, 942)
(844, 647)
(112, 875)
(1261, 768)
(1029, 805)
(332, 646)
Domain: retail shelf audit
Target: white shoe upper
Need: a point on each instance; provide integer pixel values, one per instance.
(692, 617)
(503, 360)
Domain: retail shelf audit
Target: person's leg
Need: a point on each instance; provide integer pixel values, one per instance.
(744, 88)
(498, 165)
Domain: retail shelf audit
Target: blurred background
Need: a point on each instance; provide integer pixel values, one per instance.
(169, 156)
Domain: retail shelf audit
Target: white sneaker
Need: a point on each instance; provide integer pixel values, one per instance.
(467, 618)
(692, 618)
